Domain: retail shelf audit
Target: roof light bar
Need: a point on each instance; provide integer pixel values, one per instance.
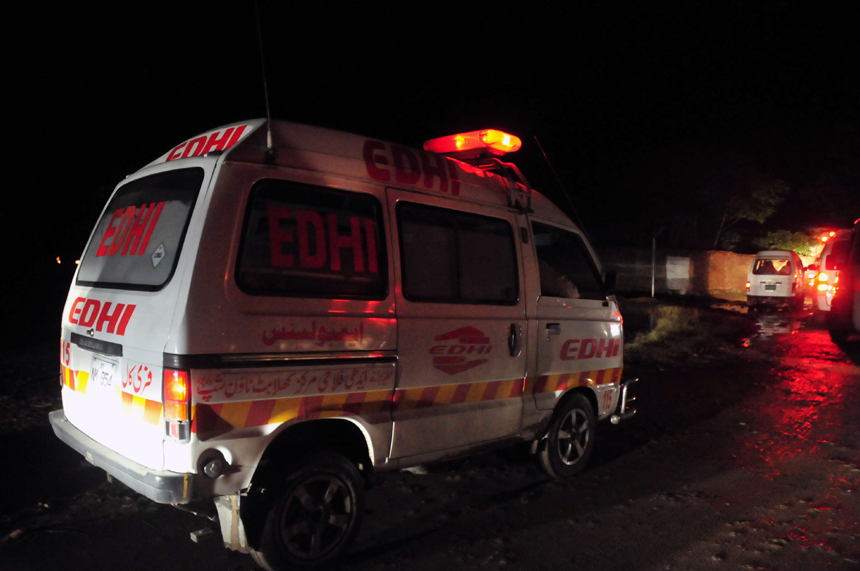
(492, 140)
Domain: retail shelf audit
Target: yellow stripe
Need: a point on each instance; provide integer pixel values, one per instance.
(445, 394)
(331, 406)
(284, 410)
(81, 381)
(476, 392)
(235, 413)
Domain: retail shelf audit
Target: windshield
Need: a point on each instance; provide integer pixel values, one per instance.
(137, 242)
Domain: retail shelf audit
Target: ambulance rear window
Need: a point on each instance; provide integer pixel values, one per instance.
(137, 242)
(772, 267)
(306, 241)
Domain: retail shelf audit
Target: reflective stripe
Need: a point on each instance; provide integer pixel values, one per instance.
(223, 417)
(563, 381)
(407, 399)
(148, 411)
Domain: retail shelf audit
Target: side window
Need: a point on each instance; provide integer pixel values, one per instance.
(565, 266)
(455, 257)
(303, 240)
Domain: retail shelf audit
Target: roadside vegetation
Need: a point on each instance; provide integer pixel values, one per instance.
(661, 333)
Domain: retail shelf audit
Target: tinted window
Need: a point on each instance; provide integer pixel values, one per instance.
(455, 257)
(780, 267)
(565, 267)
(302, 240)
(837, 255)
(137, 241)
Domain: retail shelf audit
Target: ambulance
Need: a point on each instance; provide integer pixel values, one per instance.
(270, 315)
(843, 320)
(832, 257)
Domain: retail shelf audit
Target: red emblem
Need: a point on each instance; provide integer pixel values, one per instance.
(461, 350)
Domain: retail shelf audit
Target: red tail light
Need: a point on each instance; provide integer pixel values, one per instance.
(175, 395)
(176, 399)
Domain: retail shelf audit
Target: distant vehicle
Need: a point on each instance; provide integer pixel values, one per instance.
(843, 319)
(776, 277)
(269, 315)
(832, 257)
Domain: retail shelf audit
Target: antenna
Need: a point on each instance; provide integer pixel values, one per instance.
(563, 189)
(270, 149)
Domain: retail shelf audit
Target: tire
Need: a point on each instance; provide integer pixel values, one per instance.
(570, 438)
(316, 516)
(839, 335)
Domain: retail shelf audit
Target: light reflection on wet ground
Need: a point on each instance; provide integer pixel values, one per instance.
(804, 433)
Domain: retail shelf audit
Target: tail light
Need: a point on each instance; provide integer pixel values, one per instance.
(748, 287)
(176, 398)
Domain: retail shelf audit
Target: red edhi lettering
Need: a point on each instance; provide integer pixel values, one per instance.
(409, 166)
(574, 349)
(130, 228)
(88, 312)
(203, 144)
(315, 243)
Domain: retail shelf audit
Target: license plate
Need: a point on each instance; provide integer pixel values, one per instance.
(104, 373)
(769, 287)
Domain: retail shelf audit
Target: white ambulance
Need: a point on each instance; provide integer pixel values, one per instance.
(270, 313)
(843, 320)
(832, 257)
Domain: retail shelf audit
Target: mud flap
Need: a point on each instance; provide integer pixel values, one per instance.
(232, 528)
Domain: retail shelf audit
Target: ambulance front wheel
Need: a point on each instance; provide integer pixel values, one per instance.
(315, 518)
(570, 438)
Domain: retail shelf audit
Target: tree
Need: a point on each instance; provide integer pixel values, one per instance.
(754, 199)
(803, 244)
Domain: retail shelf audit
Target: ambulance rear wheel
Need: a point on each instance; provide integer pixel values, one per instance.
(315, 518)
(570, 438)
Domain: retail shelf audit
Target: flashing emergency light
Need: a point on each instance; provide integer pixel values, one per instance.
(496, 142)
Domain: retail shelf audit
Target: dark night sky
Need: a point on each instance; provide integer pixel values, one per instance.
(627, 98)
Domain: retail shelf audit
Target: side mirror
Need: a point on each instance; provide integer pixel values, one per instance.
(609, 283)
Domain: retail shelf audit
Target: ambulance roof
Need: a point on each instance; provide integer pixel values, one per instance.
(353, 156)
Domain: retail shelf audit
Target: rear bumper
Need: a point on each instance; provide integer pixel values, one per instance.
(772, 299)
(160, 486)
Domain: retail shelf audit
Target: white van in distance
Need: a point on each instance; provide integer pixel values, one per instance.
(263, 328)
(776, 277)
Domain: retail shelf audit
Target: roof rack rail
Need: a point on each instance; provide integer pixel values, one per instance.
(518, 186)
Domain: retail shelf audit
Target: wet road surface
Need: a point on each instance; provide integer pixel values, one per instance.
(750, 464)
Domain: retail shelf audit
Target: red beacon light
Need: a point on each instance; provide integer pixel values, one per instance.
(474, 144)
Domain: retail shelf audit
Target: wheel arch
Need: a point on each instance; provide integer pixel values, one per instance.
(287, 451)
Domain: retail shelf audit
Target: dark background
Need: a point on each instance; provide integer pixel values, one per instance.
(639, 106)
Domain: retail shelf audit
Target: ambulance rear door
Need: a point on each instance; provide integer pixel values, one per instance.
(579, 334)
(461, 324)
(120, 309)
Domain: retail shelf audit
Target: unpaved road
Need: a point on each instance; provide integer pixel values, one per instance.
(748, 460)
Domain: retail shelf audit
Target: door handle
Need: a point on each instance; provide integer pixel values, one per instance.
(515, 340)
(553, 329)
